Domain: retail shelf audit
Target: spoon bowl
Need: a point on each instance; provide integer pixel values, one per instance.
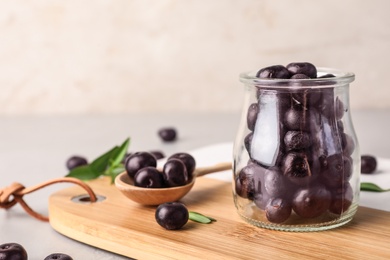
(157, 196)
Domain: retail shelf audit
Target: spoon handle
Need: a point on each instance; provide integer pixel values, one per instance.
(211, 169)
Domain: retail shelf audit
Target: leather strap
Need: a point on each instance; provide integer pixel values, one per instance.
(13, 194)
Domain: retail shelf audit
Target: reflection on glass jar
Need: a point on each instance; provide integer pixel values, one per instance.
(296, 155)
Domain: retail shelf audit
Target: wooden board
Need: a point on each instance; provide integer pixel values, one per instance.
(126, 228)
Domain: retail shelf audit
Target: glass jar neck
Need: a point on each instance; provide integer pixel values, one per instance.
(337, 79)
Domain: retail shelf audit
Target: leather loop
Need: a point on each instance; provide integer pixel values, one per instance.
(13, 194)
(7, 198)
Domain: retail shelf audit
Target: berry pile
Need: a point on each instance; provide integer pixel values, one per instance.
(300, 154)
(177, 171)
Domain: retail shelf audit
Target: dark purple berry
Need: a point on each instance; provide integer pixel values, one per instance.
(172, 215)
(312, 201)
(127, 155)
(250, 180)
(296, 140)
(305, 68)
(248, 142)
(278, 210)
(336, 170)
(12, 251)
(348, 144)
(275, 184)
(167, 134)
(297, 119)
(368, 164)
(157, 154)
(339, 108)
(244, 184)
(302, 97)
(149, 177)
(326, 104)
(139, 160)
(327, 76)
(285, 102)
(340, 126)
(58, 256)
(274, 72)
(253, 111)
(300, 76)
(296, 166)
(175, 173)
(341, 199)
(188, 160)
(75, 161)
(239, 188)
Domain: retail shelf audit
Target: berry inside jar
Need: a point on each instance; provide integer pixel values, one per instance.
(296, 156)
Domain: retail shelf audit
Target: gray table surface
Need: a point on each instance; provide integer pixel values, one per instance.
(34, 149)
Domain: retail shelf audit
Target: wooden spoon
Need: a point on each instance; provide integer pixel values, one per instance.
(156, 196)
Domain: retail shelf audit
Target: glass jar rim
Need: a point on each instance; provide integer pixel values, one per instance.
(340, 78)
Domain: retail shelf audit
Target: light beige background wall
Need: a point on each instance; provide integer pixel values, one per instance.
(91, 57)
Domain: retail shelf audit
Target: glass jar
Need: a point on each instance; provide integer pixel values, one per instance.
(296, 155)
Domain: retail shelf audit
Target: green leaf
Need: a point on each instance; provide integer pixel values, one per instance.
(83, 173)
(212, 219)
(368, 186)
(120, 153)
(108, 164)
(197, 217)
(113, 172)
(112, 178)
(100, 164)
(118, 169)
